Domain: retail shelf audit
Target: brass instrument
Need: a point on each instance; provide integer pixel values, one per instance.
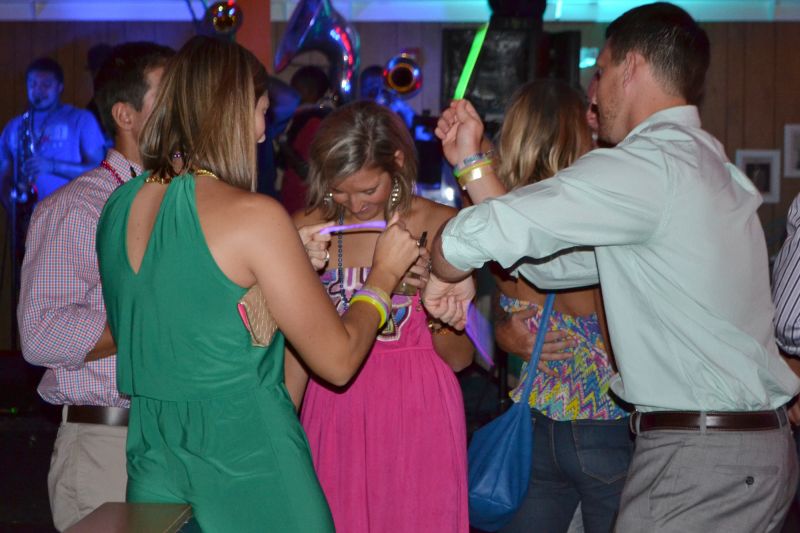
(23, 189)
(403, 75)
(316, 25)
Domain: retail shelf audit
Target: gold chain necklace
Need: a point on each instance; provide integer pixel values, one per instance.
(205, 172)
(165, 180)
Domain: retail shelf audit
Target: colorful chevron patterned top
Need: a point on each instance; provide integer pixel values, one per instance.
(579, 390)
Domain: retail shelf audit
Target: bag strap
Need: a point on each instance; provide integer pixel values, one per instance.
(544, 324)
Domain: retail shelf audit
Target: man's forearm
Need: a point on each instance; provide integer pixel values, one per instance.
(440, 266)
(63, 337)
(104, 347)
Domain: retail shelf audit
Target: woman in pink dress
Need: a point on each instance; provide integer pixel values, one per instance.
(390, 447)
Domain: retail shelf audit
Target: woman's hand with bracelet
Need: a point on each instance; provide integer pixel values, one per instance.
(448, 302)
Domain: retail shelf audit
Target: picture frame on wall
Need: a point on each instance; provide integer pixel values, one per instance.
(763, 167)
(791, 150)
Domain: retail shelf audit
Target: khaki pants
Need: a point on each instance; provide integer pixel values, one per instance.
(718, 481)
(87, 469)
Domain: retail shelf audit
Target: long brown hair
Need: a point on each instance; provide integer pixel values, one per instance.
(360, 135)
(205, 110)
(544, 130)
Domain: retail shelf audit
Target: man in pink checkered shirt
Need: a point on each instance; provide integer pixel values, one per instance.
(61, 313)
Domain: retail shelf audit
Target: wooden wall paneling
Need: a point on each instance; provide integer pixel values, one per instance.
(114, 33)
(83, 40)
(65, 53)
(787, 103)
(374, 42)
(26, 55)
(431, 44)
(759, 102)
(21, 38)
(139, 31)
(713, 110)
(734, 121)
(7, 88)
(382, 40)
(175, 34)
(759, 86)
(15, 38)
(410, 36)
(45, 38)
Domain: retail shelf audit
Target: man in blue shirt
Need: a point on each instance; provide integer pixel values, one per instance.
(51, 143)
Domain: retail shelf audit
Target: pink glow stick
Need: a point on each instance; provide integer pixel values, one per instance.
(375, 224)
(480, 333)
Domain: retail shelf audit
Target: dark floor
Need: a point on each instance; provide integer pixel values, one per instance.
(28, 428)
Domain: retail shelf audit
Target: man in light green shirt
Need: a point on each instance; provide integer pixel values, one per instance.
(680, 254)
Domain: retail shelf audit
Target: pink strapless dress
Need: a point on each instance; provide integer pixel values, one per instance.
(390, 448)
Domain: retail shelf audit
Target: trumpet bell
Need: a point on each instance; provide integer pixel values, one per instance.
(403, 75)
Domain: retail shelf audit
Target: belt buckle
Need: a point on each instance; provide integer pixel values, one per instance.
(633, 422)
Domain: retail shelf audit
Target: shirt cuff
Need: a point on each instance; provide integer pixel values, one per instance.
(789, 349)
(456, 250)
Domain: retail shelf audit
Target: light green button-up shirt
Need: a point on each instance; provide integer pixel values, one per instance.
(679, 249)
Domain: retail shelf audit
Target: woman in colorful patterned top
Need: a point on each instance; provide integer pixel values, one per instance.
(390, 447)
(582, 446)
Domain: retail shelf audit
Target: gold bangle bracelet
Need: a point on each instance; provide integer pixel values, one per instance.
(377, 306)
(437, 328)
(461, 171)
(380, 292)
(473, 175)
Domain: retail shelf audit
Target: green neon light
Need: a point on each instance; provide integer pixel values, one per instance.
(472, 59)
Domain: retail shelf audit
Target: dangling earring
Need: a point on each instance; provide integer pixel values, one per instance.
(394, 196)
(328, 199)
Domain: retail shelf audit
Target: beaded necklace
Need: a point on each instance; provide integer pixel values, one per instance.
(106, 165)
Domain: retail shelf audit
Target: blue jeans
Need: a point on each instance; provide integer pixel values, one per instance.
(577, 461)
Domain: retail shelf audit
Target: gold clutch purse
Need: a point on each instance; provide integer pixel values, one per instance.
(256, 317)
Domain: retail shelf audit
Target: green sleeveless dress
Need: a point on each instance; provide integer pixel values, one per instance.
(211, 422)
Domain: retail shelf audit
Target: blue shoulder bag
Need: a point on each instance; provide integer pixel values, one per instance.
(500, 453)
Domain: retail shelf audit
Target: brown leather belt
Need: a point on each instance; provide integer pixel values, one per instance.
(712, 420)
(94, 414)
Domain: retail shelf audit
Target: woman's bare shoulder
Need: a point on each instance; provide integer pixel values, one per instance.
(250, 204)
(430, 213)
(239, 210)
(302, 217)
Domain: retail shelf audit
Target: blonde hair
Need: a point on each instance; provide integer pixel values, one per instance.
(360, 135)
(544, 130)
(205, 110)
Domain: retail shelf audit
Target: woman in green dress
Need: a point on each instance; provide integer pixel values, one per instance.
(211, 422)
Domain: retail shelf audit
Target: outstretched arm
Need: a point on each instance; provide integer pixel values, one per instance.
(333, 348)
(461, 131)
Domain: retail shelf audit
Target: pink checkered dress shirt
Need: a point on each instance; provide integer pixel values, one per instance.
(61, 312)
